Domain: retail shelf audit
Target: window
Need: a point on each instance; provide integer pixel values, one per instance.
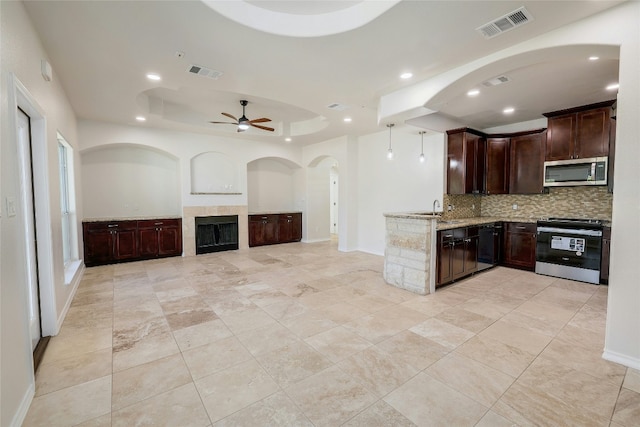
(67, 202)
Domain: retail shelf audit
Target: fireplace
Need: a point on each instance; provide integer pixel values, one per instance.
(216, 233)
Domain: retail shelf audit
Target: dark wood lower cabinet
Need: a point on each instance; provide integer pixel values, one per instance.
(605, 256)
(520, 245)
(270, 229)
(108, 242)
(457, 254)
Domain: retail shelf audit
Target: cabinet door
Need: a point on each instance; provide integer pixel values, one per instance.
(444, 263)
(605, 256)
(561, 137)
(458, 257)
(527, 164)
(285, 228)
(593, 133)
(148, 242)
(471, 254)
(297, 227)
(98, 246)
(169, 240)
(456, 164)
(497, 166)
(520, 247)
(125, 244)
(256, 230)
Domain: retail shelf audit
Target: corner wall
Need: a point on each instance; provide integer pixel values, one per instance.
(20, 54)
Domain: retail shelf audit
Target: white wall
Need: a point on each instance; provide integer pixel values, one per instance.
(399, 185)
(107, 176)
(185, 146)
(20, 54)
(270, 186)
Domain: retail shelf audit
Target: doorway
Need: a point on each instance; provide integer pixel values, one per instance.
(31, 256)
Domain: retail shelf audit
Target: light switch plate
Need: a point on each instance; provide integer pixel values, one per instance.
(11, 206)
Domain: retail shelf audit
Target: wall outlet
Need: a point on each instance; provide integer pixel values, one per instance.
(514, 207)
(473, 207)
(450, 208)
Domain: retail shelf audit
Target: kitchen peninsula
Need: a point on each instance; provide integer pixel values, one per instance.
(410, 251)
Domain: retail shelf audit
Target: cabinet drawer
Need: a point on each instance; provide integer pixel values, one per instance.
(520, 227)
(153, 223)
(452, 234)
(110, 225)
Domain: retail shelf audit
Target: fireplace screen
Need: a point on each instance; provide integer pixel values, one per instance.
(216, 234)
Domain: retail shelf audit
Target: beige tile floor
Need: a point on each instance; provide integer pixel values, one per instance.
(303, 335)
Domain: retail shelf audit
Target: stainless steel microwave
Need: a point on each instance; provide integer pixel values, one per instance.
(576, 172)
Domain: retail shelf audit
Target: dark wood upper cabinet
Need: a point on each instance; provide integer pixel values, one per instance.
(580, 132)
(527, 164)
(465, 161)
(497, 165)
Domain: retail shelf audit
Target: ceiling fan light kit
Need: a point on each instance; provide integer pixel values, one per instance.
(244, 123)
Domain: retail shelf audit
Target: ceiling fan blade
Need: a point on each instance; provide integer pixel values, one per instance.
(224, 123)
(261, 120)
(230, 116)
(261, 127)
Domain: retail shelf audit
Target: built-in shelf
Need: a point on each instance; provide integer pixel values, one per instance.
(213, 194)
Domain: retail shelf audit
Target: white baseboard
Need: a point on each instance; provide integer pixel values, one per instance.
(75, 282)
(316, 240)
(21, 413)
(623, 359)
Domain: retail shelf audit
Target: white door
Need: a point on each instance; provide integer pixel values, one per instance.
(26, 183)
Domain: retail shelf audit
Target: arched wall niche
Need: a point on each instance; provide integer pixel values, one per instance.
(213, 172)
(107, 173)
(275, 184)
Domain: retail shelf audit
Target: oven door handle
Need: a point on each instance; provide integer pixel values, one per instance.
(579, 232)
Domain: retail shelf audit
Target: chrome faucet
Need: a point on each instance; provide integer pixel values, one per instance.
(435, 202)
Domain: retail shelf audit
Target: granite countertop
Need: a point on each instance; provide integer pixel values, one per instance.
(274, 212)
(464, 222)
(131, 218)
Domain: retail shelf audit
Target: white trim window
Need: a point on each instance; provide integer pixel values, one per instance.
(67, 202)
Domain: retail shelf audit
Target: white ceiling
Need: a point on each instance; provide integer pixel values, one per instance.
(102, 50)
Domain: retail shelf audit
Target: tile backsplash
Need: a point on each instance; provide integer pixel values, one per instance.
(463, 206)
(570, 202)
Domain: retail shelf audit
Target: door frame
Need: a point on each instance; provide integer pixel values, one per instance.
(19, 97)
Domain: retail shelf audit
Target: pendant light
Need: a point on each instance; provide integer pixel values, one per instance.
(390, 151)
(422, 145)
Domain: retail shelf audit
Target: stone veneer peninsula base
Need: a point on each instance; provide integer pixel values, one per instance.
(410, 252)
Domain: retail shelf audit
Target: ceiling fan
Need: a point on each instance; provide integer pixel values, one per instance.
(243, 123)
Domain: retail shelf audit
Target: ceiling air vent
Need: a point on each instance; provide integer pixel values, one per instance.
(496, 81)
(205, 72)
(505, 23)
(337, 107)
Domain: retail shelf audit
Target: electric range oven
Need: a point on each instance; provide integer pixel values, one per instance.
(569, 248)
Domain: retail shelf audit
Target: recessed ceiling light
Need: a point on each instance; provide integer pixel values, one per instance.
(406, 75)
(473, 92)
(508, 110)
(141, 119)
(347, 119)
(613, 86)
(288, 139)
(594, 58)
(153, 76)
